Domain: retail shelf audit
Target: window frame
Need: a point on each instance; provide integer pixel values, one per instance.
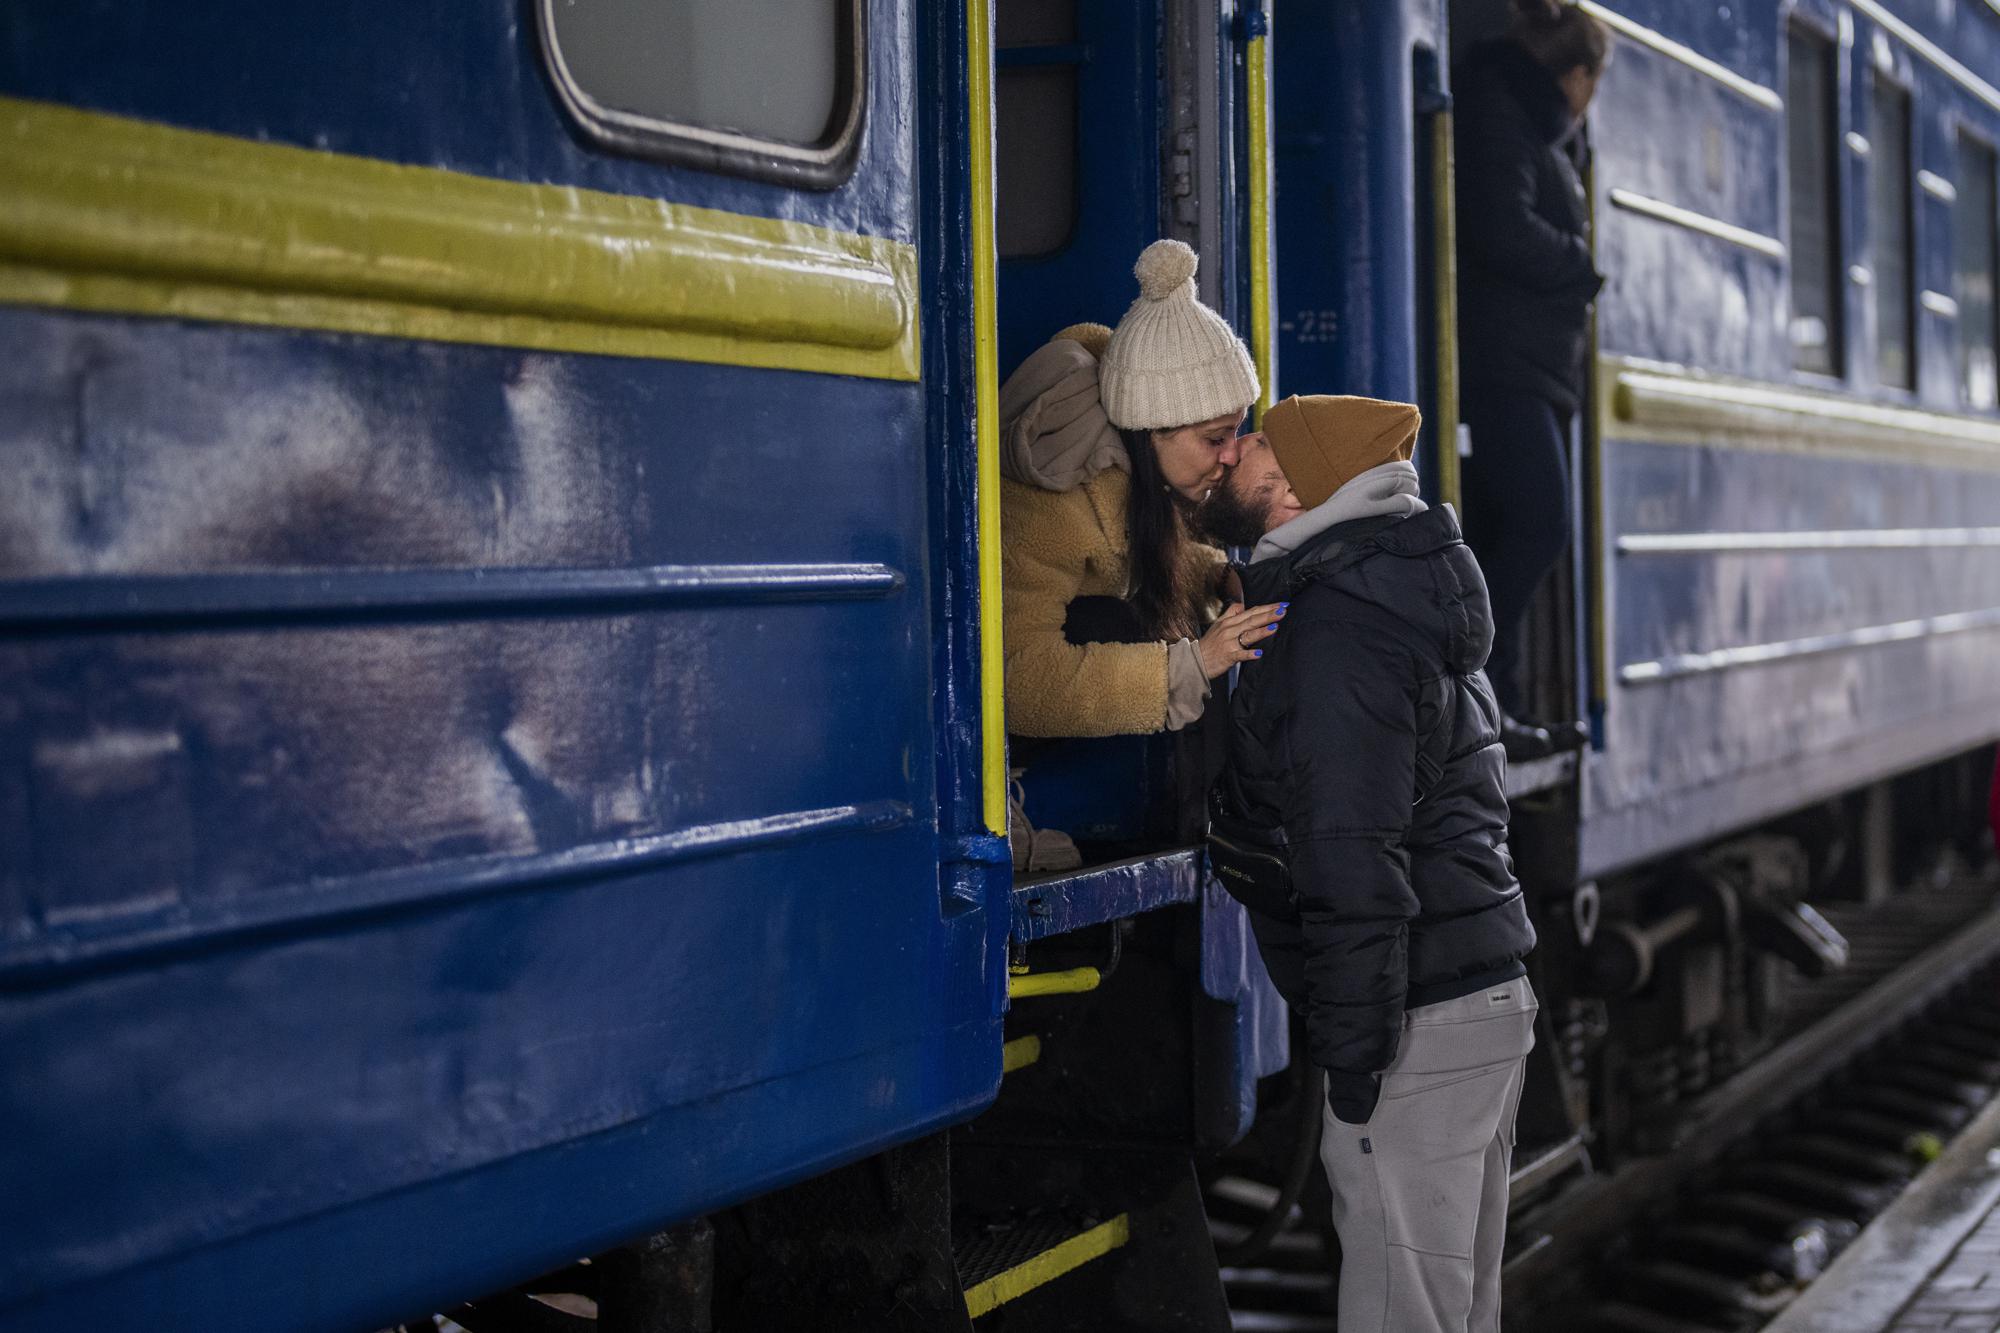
(822, 166)
(1880, 80)
(1966, 136)
(1831, 204)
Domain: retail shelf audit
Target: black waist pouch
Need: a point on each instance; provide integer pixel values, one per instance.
(1252, 862)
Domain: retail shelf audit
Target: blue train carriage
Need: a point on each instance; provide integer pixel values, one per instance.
(492, 707)
(1790, 571)
(1796, 443)
(500, 690)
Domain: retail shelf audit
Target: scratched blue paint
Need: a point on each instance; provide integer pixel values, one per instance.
(258, 774)
(382, 934)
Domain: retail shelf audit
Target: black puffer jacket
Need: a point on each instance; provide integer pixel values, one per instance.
(1525, 274)
(1406, 895)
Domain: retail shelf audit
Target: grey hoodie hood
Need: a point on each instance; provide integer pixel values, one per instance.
(1418, 569)
(1053, 431)
(1390, 489)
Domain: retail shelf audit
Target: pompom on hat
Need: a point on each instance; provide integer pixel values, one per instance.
(1172, 361)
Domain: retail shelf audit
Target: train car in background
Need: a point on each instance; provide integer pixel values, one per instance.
(499, 678)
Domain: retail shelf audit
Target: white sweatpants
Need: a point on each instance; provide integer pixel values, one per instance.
(1420, 1191)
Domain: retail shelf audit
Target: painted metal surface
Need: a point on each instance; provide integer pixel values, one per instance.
(1253, 1039)
(471, 804)
(986, 406)
(465, 91)
(1257, 188)
(113, 214)
(1345, 204)
(1057, 904)
(393, 899)
(157, 601)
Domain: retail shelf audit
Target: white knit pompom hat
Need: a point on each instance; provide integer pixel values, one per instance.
(1172, 361)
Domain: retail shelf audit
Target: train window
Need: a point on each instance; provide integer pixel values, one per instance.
(767, 88)
(1035, 154)
(1891, 204)
(1977, 250)
(1812, 141)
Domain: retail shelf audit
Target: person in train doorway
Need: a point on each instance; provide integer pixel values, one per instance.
(1526, 282)
(1362, 817)
(1111, 609)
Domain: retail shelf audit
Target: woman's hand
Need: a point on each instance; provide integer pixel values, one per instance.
(1233, 638)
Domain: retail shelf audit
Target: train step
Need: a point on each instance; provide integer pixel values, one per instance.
(1003, 1262)
(1078, 1237)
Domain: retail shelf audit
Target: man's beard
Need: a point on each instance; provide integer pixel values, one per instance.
(1225, 518)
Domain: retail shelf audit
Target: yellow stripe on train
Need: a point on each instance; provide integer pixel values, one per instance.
(107, 213)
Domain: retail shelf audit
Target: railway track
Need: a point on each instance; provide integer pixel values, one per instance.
(1759, 1182)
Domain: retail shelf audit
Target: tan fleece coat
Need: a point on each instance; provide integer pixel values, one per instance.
(1056, 546)
(1062, 536)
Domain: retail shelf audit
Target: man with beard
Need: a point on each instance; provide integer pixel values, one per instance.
(1362, 816)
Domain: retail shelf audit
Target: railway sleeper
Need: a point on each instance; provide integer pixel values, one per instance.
(1955, 1063)
(1739, 1251)
(1938, 1118)
(1921, 1078)
(1851, 1199)
(1619, 1317)
(1688, 1288)
(1824, 1151)
(1885, 1133)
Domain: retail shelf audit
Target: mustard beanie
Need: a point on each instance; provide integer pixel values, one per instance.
(1172, 361)
(1324, 442)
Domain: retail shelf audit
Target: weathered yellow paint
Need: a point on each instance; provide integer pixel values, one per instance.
(1444, 269)
(1597, 582)
(1258, 89)
(107, 213)
(1020, 1053)
(1049, 1265)
(1072, 981)
(986, 394)
(1667, 404)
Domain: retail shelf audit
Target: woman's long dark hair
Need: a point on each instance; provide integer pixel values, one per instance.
(1156, 533)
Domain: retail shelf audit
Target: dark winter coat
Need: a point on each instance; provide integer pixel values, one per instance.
(1525, 274)
(1369, 734)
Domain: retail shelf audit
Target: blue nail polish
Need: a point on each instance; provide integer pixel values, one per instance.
(1284, 606)
(1258, 653)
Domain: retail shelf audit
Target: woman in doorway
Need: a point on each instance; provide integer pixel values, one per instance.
(1526, 282)
(1108, 441)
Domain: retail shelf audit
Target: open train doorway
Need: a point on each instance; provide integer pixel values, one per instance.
(1076, 177)
(1544, 676)
(1116, 124)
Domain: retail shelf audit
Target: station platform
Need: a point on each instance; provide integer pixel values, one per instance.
(1931, 1261)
